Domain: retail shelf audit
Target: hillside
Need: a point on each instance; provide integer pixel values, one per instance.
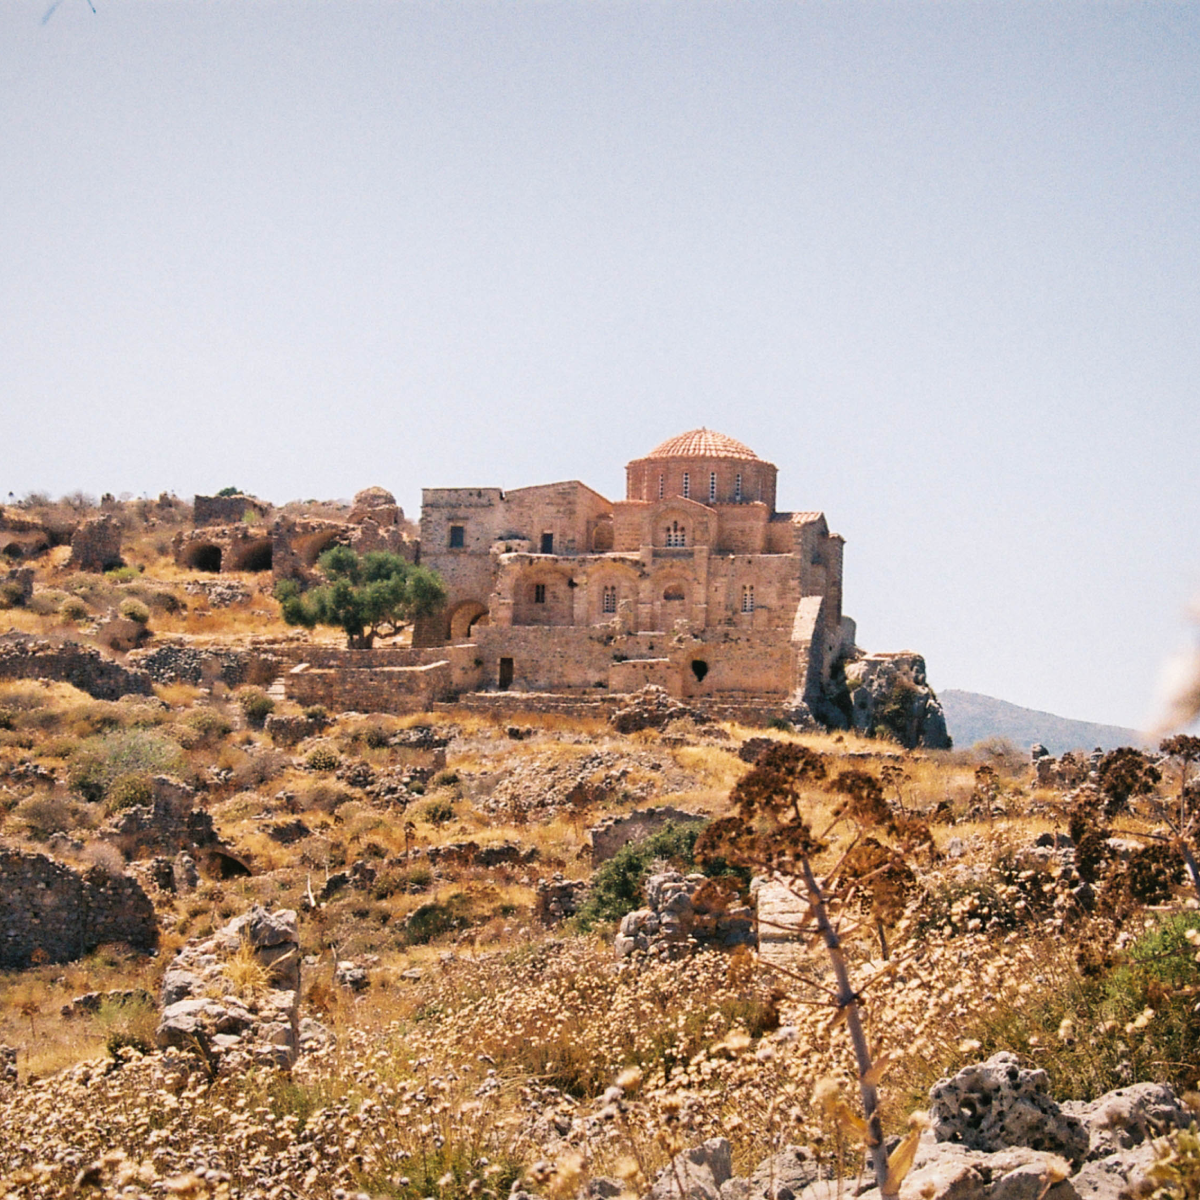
(973, 718)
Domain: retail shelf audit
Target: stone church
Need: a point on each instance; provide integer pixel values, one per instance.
(693, 581)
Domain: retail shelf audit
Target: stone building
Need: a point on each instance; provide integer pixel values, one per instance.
(693, 581)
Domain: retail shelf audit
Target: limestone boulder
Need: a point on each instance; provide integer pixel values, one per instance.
(998, 1104)
(696, 1174)
(1129, 1117)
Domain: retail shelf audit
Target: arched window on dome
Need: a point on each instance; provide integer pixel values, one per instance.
(687, 485)
(747, 597)
(737, 488)
(712, 487)
(676, 534)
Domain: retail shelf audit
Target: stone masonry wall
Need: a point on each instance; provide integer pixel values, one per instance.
(96, 545)
(51, 913)
(68, 662)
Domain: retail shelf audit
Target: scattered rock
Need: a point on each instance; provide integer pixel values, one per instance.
(685, 914)
(652, 708)
(558, 898)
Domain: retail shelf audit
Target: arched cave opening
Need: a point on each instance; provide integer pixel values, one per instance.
(205, 558)
(257, 558)
(699, 669)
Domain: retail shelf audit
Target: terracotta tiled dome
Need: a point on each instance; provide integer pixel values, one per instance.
(703, 443)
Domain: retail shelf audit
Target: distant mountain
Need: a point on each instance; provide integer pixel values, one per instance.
(972, 718)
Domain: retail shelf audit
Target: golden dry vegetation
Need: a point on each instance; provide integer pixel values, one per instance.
(489, 1048)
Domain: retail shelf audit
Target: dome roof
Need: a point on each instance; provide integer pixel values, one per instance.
(702, 443)
(374, 497)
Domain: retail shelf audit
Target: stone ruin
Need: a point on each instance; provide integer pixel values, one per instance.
(207, 1009)
(558, 898)
(611, 834)
(52, 913)
(26, 657)
(653, 708)
(1068, 771)
(96, 544)
(235, 533)
(684, 913)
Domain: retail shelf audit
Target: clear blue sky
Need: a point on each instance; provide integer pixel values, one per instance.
(939, 262)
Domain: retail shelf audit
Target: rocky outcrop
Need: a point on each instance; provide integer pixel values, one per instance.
(234, 997)
(696, 1174)
(998, 1103)
(51, 913)
(653, 708)
(23, 657)
(684, 914)
(1108, 1144)
(890, 696)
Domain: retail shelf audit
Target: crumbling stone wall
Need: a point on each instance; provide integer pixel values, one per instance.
(179, 663)
(23, 578)
(23, 657)
(50, 913)
(605, 839)
(170, 823)
(227, 510)
(96, 544)
(684, 913)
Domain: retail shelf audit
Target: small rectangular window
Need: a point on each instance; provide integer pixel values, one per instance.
(712, 486)
(539, 593)
(748, 598)
(737, 487)
(457, 537)
(661, 486)
(547, 543)
(687, 485)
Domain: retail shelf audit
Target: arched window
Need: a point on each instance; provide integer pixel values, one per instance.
(747, 597)
(674, 591)
(662, 485)
(610, 599)
(737, 487)
(712, 486)
(539, 593)
(687, 485)
(676, 534)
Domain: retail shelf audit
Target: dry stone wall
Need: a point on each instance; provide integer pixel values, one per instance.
(23, 657)
(96, 544)
(51, 913)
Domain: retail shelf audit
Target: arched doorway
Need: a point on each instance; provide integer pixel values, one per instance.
(205, 557)
(463, 619)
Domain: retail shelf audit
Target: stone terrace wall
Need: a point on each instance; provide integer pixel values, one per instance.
(24, 657)
(380, 689)
(54, 914)
(585, 704)
(172, 663)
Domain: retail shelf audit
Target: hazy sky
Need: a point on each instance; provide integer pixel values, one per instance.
(939, 262)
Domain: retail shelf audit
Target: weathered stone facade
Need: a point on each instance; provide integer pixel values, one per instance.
(693, 582)
(96, 544)
(50, 913)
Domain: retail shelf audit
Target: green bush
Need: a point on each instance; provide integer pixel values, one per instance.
(617, 884)
(208, 724)
(257, 706)
(323, 758)
(122, 574)
(12, 594)
(435, 919)
(98, 762)
(73, 609)
(445, 779)
(166, 602)
(438, 812)
(127, 791)
(134, 610)
(316, 713)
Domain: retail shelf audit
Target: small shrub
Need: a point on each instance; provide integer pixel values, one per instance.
(12, 595)
(323, 758)
(438, 812)
(44, 816)
(47, 602)
(105, 856)
(257, 706)
(127, 1024)
(324, 797)
(134, 610)
(8, 718)
(128, 791)
(435, 919)
(316, 713)
(445, 779)
(122, 575)
(166, 602)
(99, 761)
(73, 609)
(208, 725)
